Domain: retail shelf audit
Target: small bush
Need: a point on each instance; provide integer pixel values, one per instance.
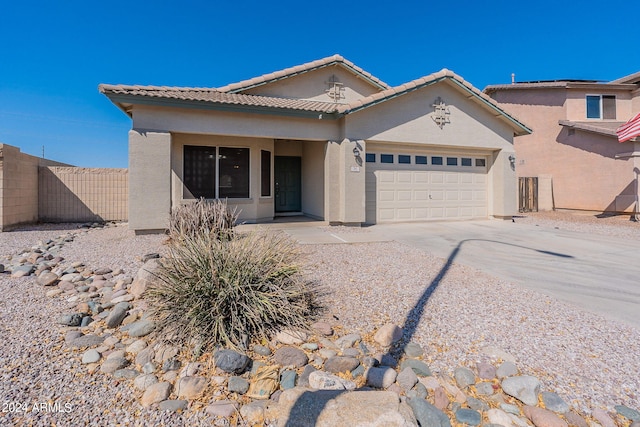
(202, 218)
(232, 291)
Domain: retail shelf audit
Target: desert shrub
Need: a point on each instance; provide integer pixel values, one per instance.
(232, 291)
(202, 218)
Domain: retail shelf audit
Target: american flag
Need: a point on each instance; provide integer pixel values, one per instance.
(629, 130)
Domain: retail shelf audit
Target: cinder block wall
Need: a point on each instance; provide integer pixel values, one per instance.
(71, 194)
(18, 186)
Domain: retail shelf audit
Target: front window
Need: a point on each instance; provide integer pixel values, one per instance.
(216, 172)
(601, 107)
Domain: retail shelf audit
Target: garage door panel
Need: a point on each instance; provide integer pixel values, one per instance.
(404, 195)
(404, 177)
(398, 193)
(452, 178)
(436, 195)
(451, 212)
(386, 195)
(420, 195)
(421, 213)
(437, 177)
(403, 213)
(386, 176)
(466, 195)
(386, 214)
(421, 177)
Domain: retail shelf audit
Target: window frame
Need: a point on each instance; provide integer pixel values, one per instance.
(216, 172)
(386, 156)
(450, 159)
(601, 106)
(370, 157)
(404, 157)
(426, 160)
(439, 162)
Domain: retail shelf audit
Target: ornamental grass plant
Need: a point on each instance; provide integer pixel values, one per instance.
(230, 291)
(202, 218)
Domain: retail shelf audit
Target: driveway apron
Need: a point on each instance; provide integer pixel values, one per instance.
(598, 273)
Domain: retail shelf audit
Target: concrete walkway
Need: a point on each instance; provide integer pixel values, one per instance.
(598, 273)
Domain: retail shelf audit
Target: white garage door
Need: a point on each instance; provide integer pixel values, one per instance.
(415, 186)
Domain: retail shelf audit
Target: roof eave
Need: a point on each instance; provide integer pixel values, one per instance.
(121, 99)
(577, 126)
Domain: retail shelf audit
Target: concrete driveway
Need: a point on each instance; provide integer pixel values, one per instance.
(598, 273)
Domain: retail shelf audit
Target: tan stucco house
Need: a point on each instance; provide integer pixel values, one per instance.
(573, 150)
(324, 139)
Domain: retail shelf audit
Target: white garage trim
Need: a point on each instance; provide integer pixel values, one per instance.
(401, 187)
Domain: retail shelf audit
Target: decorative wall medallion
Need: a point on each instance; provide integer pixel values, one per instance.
(440, 112)
(336, 89)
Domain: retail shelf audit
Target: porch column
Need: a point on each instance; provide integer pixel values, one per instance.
(149, 180)
(345, 182)
(504, 185)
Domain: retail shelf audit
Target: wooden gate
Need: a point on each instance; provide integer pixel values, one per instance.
(528, 200)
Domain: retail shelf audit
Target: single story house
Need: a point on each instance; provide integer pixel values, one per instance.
(324, 139)
(574, 151)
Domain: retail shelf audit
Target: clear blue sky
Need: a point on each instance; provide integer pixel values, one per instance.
(54, 54)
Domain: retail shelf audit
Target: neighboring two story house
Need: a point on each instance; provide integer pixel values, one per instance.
(325, 139)
(573, 150)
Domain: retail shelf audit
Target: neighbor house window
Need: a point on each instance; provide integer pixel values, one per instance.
(421, 160)
(601, 107)
(265, 173)
(370, 157)
(403, 158)
(465, 161)
(452, 161)
(386, 158)
(436, 160)
(216, 172)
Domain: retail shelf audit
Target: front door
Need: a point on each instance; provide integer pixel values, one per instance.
(288, 186)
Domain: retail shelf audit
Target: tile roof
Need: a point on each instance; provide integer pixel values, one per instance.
(603, 128)
(210, 95)
(410, 86)
(300, 69)
(563, 84)
(538, 85)
(631, 78)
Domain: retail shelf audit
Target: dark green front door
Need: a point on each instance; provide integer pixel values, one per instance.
(287, 172)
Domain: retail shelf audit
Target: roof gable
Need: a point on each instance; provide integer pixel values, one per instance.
(444, 75)
(287, 73)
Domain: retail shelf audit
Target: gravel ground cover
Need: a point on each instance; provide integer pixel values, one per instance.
(616, 225)
(590, 361)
